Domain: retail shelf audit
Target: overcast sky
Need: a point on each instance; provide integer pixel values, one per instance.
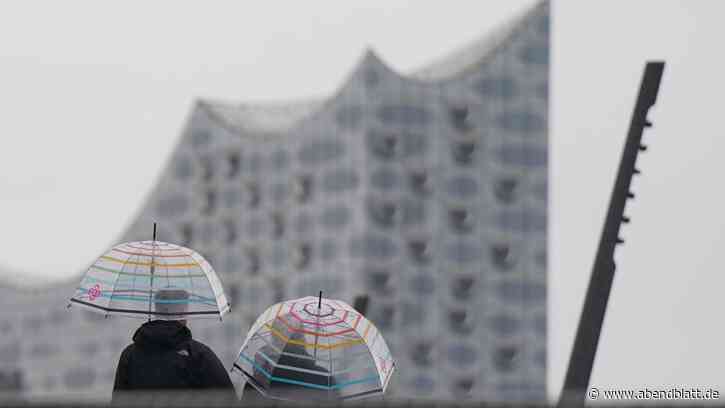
(93, 96)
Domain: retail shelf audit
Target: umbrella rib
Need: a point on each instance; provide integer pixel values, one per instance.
(141, 311)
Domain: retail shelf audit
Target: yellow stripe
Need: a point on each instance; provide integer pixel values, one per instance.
(185, 265)
(317, 346)
(365, 336)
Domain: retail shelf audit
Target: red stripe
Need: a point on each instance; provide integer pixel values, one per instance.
(294, 329)
(154, 255)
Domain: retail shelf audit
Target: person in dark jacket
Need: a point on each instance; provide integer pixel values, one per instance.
(164, 356)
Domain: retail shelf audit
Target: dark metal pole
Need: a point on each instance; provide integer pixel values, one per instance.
(579, 372)
(151, 283)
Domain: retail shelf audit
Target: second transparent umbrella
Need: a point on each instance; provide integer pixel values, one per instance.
(314, 349)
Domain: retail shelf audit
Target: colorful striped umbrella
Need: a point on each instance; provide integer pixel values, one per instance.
(152, 279)
(315, 349)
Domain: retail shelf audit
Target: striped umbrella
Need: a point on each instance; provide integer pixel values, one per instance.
(152, 279)
(315, 349)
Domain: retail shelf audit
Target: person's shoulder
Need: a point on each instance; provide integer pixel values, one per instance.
(200, 348)
(127, 351)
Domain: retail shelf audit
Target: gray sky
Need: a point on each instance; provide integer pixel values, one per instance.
(94, 96)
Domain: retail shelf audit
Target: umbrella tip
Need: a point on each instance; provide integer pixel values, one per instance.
(319, 301)
(154, 232)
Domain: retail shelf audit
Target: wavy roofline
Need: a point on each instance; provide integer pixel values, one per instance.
(439, 72)
(443, 70)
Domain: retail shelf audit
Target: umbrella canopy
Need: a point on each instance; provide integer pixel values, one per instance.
(152, 279)
(315, 349)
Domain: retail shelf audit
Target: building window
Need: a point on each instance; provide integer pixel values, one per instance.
(462, 287)
(414, 143)
(234, 297)
(378, 280)
(340, 180)
(523, 156)
(505, 190)
(521, 121)
(403, 115)
(420, 183)
(320, 151)
(421, 353)
(253, 195)
(210, 202)
(383, 316)
(522, 292)
(230, 232)
(463, 252)
(278, 225)
(462, 187)
(460, 321)
(502, 257)
(173, 205)
(383, 145)
(280, 192)
(462, 355)
(200, 137)
(207, 168)
(302, 256)
(423, 385)
(423, 284)
(381, 212)
(253, 261)
(459, 118)
(328, 250)
(335, 217)
(463, 152)
(385, 179)
(419, 250)
(504, 358)
(413, 211)
(183, 168)
(413, 314)
(12, 380)
(460, 220)
(378, 247)
(303, 223)
(462, 387)
(504, 325)
(349, 116)
(303, 188)
(521, 221)
(280, 160)
(503, 87)
(234, 161)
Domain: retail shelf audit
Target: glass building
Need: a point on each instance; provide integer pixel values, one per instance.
(427, 192)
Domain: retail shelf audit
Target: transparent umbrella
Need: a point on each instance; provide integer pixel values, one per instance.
(154, 280)
(315, 349)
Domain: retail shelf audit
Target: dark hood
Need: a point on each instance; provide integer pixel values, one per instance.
(162, 334)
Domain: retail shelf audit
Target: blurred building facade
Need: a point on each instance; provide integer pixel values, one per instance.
(427, 192)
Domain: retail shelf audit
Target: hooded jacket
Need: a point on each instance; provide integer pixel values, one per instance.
(163, 356)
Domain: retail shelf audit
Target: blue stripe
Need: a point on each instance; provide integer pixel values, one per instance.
(146, 299)
(306, 384)
(130, 281)
(196, 298)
